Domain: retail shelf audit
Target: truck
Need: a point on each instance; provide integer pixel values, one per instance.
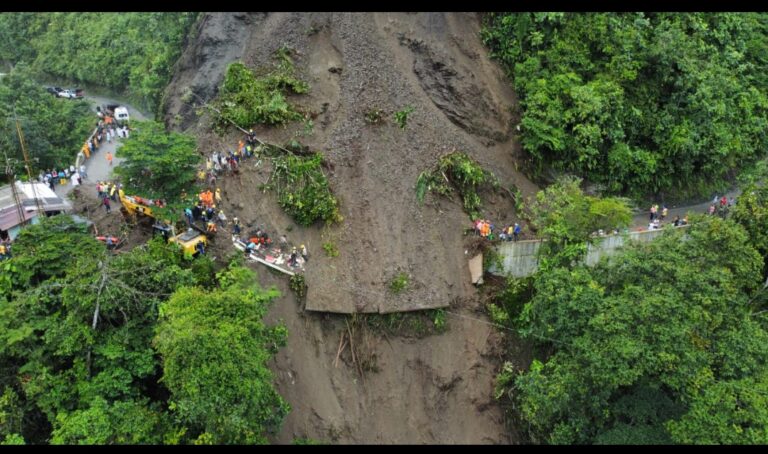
(116, 111)
(121, 115)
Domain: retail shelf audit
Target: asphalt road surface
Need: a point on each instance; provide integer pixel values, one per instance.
(96, 167)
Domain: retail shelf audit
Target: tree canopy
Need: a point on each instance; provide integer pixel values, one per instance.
(131, 52)
(642, 103)
(158, 164)
(77, 326)
(54, 128)
(660, 343)
(566, 217)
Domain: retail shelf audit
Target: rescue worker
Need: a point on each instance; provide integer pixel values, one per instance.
(218, 196)
(112, 192)
(211, 227)
(200, 248)
(304, 253)
(236, 226)
(222, 218)
(292, 259)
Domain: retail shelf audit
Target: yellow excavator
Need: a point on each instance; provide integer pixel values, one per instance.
(193, 241)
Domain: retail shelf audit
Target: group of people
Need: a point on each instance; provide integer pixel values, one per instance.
(229, 161)
(257, 240)
(721, 206)
(484, 228)
(107, 191)
(52, 177)
(655, 214)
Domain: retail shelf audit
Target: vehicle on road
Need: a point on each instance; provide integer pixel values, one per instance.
(54, 90)
(121, 115)
(76, 93)
(116, 111)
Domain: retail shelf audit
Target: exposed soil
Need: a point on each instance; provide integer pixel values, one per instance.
(432, 390)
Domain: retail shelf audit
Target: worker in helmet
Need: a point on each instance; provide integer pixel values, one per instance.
(304, 253)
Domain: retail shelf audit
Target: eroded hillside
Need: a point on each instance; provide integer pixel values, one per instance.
(437, 389)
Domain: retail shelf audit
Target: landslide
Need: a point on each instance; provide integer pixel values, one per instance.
(434, 390)
(356, 63)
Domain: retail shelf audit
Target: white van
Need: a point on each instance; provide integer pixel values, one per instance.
(121, 115)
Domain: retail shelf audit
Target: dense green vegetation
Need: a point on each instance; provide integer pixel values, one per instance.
(139, 347)
(664, 342)
(642, 103)
(247, 97)
(457, 171)
(130, 52)
(54, 128)
(303, 190)
(566, 217)
(158, 164)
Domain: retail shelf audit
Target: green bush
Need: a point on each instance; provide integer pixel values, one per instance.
(399, 282)
(302, 189)
(247, 98)
(299, 286)
(460, 172)
(331, 250)
(401, 117)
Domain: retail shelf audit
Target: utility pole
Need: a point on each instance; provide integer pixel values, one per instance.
(14, 190)
(38, 204)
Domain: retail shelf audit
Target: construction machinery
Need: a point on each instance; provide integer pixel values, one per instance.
(135, 206)
(187, 240)
(138, 206)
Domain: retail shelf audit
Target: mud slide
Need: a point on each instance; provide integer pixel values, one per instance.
(434, 390)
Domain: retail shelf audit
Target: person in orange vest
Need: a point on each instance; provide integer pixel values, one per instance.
(109, 157)
(211, 226)
(86, 150)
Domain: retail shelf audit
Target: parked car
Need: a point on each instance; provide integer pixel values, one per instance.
(76, 93)
(54, 90)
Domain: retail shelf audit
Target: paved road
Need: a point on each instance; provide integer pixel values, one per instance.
(97, 167)
(642, 219)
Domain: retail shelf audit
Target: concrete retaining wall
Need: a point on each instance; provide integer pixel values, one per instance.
(520, 259)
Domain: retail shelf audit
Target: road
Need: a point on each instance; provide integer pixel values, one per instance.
(97, 168)
(642, 219)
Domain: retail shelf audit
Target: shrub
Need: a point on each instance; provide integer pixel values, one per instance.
(401, 117)
(302, 189)
(399, 283)
(247, 99)
(460, 172)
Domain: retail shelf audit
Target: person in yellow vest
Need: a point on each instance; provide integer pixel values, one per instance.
(201, 175)
(86, 150)
(218, 196)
